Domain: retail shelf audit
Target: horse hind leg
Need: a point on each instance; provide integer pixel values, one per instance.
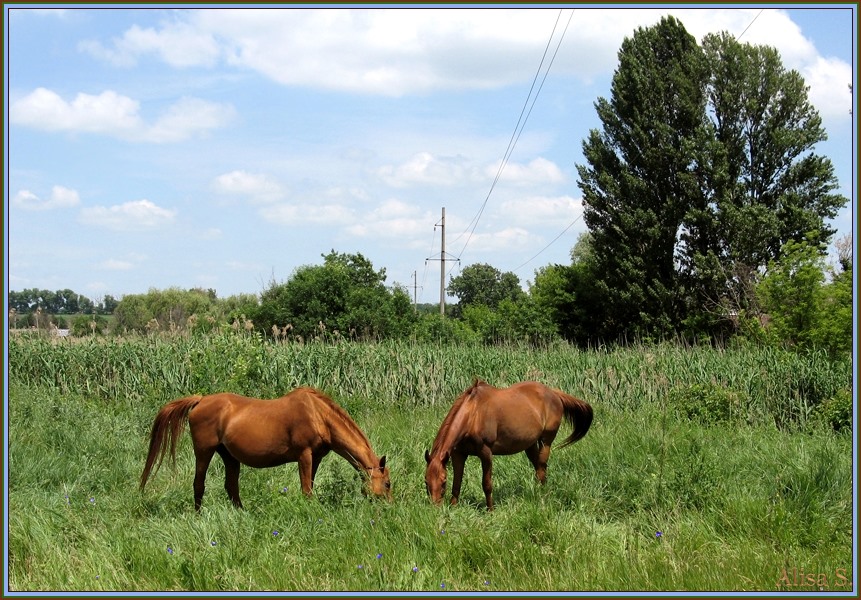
(231, 476)
(201, 465)
(538, 455)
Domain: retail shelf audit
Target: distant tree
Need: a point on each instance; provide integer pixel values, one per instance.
(345, 295)
(482, 284)
(569, 296)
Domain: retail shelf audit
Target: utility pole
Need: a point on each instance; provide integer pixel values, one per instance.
(416, 287)
(442, 260)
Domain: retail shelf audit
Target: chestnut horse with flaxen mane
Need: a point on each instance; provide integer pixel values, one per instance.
(302, 427)
(486, 420)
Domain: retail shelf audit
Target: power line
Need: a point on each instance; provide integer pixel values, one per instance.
(570, 225)
(521, 123)
(749, 25)
(553, 241)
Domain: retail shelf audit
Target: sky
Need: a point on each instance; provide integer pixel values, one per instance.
(159, 146)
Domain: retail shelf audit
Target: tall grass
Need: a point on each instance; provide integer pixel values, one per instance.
(648, 500)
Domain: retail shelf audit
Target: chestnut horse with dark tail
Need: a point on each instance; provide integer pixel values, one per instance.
(485, 421)
(301, 427)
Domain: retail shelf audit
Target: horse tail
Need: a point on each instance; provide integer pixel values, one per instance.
(578, 413)
(166, 429)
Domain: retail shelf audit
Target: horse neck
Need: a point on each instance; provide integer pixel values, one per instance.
(350, 443)
(452, 431)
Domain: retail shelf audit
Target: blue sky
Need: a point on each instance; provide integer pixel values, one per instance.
(154, 147)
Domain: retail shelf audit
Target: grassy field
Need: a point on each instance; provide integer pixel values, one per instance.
(656, 497)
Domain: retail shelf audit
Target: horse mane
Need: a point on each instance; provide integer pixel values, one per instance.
(469, 393)
(338, 410)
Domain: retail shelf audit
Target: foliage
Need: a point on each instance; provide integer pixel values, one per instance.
(344, 295)
(162, 310)
(837, 412)
(707, 403)
(805, 312)
(484, 285)
(702, 171)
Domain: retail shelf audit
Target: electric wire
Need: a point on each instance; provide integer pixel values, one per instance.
(521, 124)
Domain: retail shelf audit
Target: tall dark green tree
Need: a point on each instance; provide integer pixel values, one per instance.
(642, 176)
(764, 184)
(703, 170)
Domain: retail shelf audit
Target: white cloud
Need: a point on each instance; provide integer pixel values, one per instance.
(297, 214)
(398, 52)
(393, 219)
(114, 115)
(509, 238)
(113, 264)
(178, 44)
(259, 187)
(426, 169)
(61, 197)
(542, 210)
(130, 216)
(538, 171)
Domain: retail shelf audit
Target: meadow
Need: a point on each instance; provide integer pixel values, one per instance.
(705, 470)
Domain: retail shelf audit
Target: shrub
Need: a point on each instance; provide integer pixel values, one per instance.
(836, 412)
(706, 403)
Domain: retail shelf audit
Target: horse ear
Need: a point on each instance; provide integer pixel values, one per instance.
(427, 456)
(383, 462)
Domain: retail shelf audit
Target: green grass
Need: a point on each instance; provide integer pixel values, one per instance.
(736, 503)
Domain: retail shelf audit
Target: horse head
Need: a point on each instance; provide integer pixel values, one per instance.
(435, 476)
(378, 483)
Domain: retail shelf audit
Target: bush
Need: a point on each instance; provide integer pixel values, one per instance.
(836, 412)
(707, 403)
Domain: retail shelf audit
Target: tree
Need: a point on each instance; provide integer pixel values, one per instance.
(764, 185)
(702, 172)
(482, 284)
(642, 176)
(570, 298)
(344, 294)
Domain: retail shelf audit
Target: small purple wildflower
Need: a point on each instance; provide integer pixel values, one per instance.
(442, 531)
(442, 586)
(379, 556)
(415, 569)
(361, 567)
(659, 534)
(486, 582)
(92, 500)
(212, 543)
(275, 533)
(284, 490)
(169, 550)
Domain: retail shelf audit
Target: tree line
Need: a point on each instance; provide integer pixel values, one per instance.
(707, 211)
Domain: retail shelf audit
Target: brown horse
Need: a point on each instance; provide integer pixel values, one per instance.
(302, 427)
(486, 420)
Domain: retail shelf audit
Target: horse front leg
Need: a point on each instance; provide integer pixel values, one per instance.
(458, 461)
(306, 471)
(486, 457)
(231, 476)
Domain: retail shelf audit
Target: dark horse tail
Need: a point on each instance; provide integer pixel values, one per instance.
(578, 414)
(166, 429)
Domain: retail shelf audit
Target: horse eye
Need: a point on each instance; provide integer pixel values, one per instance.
(388, 485)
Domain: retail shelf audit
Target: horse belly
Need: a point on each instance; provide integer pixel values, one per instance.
(513, 436)
(265, 446)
